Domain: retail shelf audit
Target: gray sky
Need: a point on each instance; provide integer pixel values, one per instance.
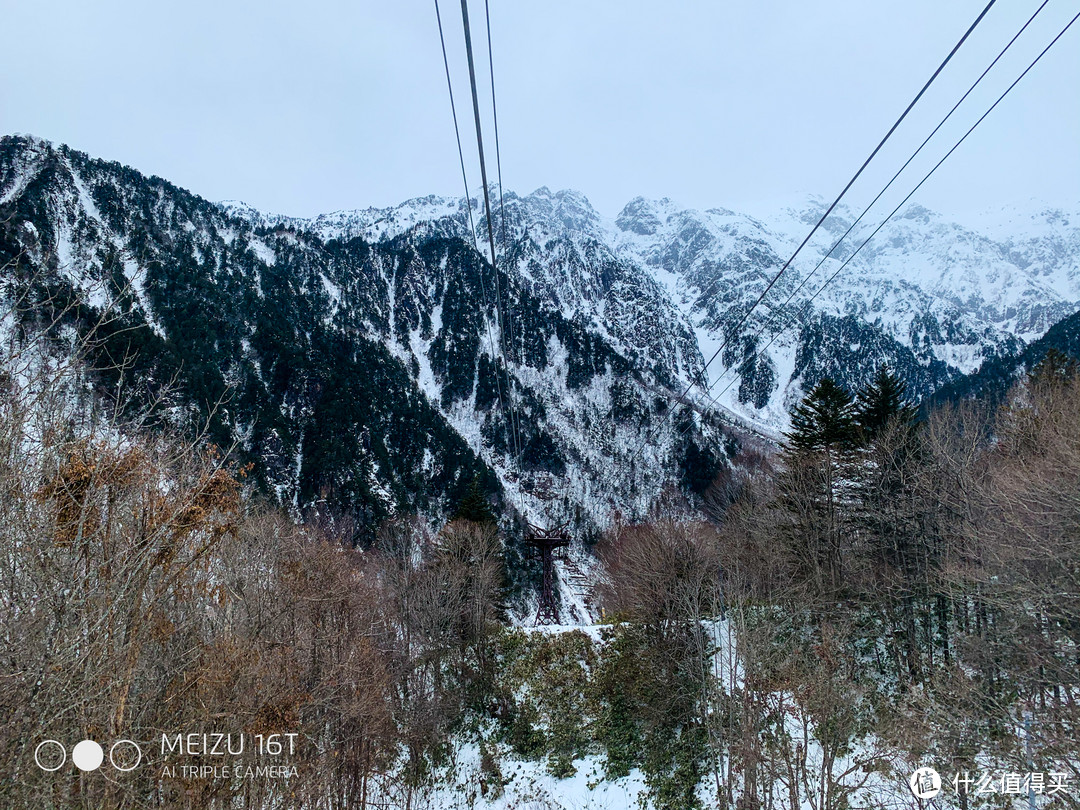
(304, 108)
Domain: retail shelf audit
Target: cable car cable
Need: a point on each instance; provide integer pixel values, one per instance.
(847, 261)
(887, 186)
(731, 333)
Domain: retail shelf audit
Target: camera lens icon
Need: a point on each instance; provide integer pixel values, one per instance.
(50, 755)
(124, 755)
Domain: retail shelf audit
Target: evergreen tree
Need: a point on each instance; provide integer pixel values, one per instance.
(825, 420)
(1055, 367)
(882, 401)
(474, 506)
(821, 443)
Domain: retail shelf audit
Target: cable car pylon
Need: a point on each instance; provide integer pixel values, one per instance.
(545, 542)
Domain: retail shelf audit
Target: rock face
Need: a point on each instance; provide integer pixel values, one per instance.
(932, 298)
(361, 361)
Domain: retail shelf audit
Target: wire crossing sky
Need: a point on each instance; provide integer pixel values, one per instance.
(734, 331)
(798, 311)
(344, 105)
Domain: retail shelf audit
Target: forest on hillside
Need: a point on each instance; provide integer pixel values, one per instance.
(889, 589)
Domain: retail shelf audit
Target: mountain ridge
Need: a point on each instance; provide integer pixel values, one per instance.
(295, 331)
(975, 294)
(607, 321)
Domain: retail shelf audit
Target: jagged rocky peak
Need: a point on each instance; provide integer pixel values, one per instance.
(241, 209)
(647, 217)
(639, 216)
(919, 213)
(941, 293)
(238, 209)
(566, 209)
(608, 314)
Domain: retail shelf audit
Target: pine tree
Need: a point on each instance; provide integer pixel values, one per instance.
(825, 420)
(474, 506)
(881, 402)
(1055, 367)
(821, 443)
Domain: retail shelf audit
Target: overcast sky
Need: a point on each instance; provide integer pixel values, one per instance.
(305, 108)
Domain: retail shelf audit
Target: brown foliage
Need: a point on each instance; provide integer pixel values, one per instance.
(662, 572)
(143, 593)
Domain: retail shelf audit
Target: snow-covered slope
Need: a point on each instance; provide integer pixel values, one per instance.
(932, 297)
(374, 354)
(380, 376)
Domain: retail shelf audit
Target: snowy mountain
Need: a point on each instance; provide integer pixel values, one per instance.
(932, 297)
(368, 376)
(359, 353)
(929, 296)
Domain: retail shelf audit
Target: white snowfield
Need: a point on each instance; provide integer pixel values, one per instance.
(661, 286)
(950, 291)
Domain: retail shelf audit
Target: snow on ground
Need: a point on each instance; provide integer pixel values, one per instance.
(263, 251)
(528, 786)
(489, 776)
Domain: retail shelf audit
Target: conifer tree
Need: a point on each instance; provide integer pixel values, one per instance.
(820, 445)
(896, 527)
(881, 401)
(825, 420)
(1056, 367)
(474, 506)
